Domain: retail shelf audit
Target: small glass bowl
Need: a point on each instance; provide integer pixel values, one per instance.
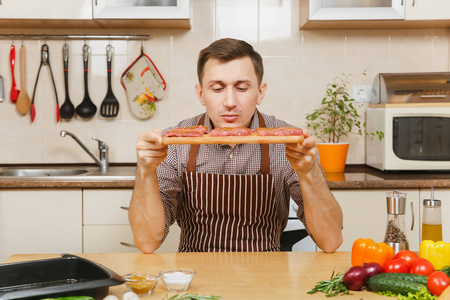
(142, 284)
(177, 280)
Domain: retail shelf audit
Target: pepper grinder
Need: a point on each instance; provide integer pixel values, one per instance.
(432, 221)
(395, 227)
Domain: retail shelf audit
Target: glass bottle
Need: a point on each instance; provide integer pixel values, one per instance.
(431, 219)
(395, 227)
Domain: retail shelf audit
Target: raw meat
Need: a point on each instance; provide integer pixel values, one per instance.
(280, 131)
(230, 131)
(198, 130)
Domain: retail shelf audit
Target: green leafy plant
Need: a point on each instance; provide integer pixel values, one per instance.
(337, 116)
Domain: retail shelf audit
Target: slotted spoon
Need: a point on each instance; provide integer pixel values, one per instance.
(110, 106)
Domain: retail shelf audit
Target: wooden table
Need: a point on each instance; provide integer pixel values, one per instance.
(256, 275)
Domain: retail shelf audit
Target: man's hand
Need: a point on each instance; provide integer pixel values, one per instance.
(150, 150)
(303, 156)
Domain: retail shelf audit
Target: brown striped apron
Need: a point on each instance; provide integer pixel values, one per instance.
(223, 212)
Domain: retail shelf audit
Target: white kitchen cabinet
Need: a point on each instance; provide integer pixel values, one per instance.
(153, 14)
(361, 14)
(105, 223)
(444, 196)
(46, 9)
(126, 9)
(427, 10)
(365, 216)
(40, 221)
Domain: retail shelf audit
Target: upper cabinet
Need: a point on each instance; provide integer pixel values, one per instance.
(142, 13)
(95, 14)
(427, 10)
(376, 14)
(46, 10)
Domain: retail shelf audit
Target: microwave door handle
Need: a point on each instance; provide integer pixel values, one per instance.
(433, 96)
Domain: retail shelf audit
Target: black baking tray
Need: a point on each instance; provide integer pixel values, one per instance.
(68, 275)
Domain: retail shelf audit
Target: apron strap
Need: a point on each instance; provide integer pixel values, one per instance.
(194, 150)
(265, 156)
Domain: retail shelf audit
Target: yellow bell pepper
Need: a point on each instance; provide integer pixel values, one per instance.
(437, 253)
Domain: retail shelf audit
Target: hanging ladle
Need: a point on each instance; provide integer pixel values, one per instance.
(87, 108)
(67, 110)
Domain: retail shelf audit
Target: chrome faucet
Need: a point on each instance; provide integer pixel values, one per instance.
(102, 162)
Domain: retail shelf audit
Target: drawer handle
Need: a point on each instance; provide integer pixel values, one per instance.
(124, 207)
(127, 244)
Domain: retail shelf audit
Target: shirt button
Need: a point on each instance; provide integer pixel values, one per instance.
(231, 155)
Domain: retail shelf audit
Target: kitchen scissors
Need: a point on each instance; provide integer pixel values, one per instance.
(44, 61)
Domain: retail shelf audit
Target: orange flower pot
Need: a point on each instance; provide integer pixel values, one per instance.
(333, 156)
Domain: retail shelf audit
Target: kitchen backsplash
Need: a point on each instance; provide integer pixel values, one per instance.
(298, 66)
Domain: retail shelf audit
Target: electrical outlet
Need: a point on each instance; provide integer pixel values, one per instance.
(361, 93)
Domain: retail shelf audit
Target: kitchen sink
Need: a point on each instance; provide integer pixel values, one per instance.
(64, 172)
(41, 172)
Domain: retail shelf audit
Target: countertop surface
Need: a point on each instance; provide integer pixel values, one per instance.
(122, 176)
(244, 275)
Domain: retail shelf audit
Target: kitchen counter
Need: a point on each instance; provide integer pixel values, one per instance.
(248, 275)
(354, 177)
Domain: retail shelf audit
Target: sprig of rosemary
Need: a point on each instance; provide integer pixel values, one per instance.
(192, 297)
(333, 287)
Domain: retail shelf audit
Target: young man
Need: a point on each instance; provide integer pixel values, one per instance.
(230, 197)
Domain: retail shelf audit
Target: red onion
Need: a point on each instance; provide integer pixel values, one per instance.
(355, 278)
(372, 268)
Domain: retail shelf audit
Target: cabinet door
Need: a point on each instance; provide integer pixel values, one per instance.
(365, 216)
(106, 227)
(427, 10)
(444, 196)
(123, 9)
(46, 9)
(106, 206)
(119, 238)
(40, 221)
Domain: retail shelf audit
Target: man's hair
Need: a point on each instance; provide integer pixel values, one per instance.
(225, 50)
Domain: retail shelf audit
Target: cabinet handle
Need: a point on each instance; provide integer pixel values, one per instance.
(96, 2)
(1, 2)
(400, 4)
(412, 213)
(122, 207)
(128, 244)
(414, 3)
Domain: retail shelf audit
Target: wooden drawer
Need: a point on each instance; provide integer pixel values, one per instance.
(106, 206)
(119, 238)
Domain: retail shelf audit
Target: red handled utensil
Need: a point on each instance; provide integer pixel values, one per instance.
(14, 90)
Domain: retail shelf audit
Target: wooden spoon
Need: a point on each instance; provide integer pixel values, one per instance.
(23, 100)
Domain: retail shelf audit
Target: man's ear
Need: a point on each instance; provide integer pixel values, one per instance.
(199, 92)
(261, 93)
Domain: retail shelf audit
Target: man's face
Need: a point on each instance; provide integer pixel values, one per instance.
(230, 92)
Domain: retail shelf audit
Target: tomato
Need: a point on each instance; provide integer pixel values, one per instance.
(437, 282)
(407, 255)
(421, 266)
(396, 266)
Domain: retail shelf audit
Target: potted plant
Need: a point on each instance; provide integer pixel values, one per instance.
(334, 119)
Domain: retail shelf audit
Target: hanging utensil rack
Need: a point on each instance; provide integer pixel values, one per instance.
(74, 37)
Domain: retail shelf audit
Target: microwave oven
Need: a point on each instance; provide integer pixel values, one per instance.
(415, 137)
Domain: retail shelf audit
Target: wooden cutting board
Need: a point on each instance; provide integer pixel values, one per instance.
(249, 139)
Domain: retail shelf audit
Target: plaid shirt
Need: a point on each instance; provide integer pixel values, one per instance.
(243, 159)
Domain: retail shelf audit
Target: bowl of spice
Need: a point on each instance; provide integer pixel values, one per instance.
(177, 280)
(142, 284)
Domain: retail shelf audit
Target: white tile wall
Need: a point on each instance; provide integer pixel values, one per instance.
(298, 65)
